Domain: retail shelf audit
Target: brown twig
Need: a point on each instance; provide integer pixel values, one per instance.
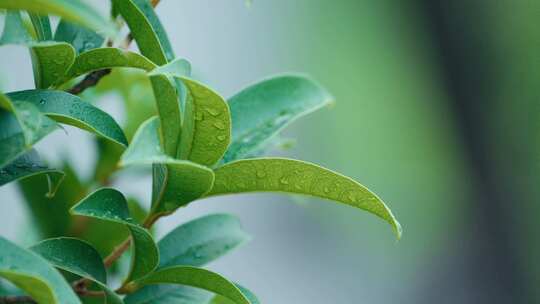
(16, 299)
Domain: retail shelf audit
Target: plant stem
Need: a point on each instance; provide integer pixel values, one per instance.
(117, 252)
(16, 299)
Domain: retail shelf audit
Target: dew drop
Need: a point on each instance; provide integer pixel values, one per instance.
(42, 101)
(221, 137)
(284, 181)
(199, 116)
(212, 112)
(261, 174)
(219, 125)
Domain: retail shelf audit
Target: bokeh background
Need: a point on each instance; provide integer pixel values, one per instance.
(438, 111)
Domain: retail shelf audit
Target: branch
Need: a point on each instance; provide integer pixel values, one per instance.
(16, 299)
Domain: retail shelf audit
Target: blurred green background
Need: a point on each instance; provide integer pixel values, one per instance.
(438, 111)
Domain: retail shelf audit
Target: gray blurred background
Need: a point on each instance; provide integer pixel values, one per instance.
(437, 111)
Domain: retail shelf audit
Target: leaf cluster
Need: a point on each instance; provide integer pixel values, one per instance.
(195, 143)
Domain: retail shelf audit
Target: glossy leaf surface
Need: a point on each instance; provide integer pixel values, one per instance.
(110, 205)
(74, 10)
(195, 277)
(218, 299)
(262, 110)
(70, 109)
(176, 182)
(294, 176)
(207, 127)
(28, 165)
(33, 274)
(201, 241)
(168, 294)
(168, 111)
(141, 30)
(21, 126)
(81, 38)
(104, 58)
(77, 257)
(51, 60)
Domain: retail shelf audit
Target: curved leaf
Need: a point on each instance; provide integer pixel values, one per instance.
(50, 61)
(141, 30)
(294, 176)
(21, 126)
(168, 294)
(262, 110)
(201, 241)
(74, 10)
(28, 165)
(175, 182)
(218, 299)
(178, 67)
(110, 205)
(194, 277)
(70, 109)
(82, 39)
(169, 112)
(207, 127)
(35, 275)
(104, 58)
(73, 255)
(78, 257)
(42, 26)
(14, 30)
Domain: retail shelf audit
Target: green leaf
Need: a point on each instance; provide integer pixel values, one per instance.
(141, 30)
(82, 39)
(168, 294)
(78, 257)
(42, 26)
(70, 109)
(207, 127)
(218, 299)
(50, 61)
(35, 275)
(105, 58)
(21, 126)
(262, 110)
(175, 182)
(179, 67)
(194, 277)
(294, 176)
(110, 205)
(169, 112)
(201, 241)
(73, 255)
(14, 30)
(28, 165)
(73, 10)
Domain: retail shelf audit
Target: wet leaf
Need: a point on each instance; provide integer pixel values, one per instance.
(169, 114)
(78, 257)
(33, 274)
(73, 10)
(110, 205)
(262, 110)
(294, 176)
(168, 294)
(28, 165)
(207, 127)
(141, 30)
(201, 241)
(70, 109)
(50, 61)
(175, 182)
(21, 126)
(105, 58)
(195, 277)
(81, 38)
